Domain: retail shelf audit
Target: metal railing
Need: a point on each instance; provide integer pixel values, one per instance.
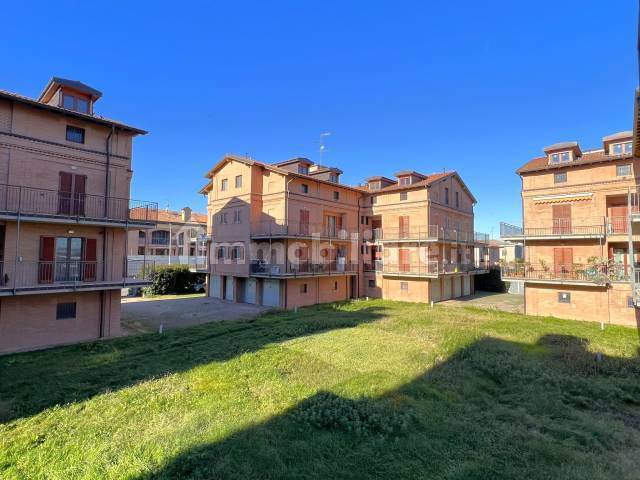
(31, 201)
(566, 227)
(271, 228)
(508, 230)
(617, 225)
(430, 268)
(596, 273)
(375, 266)
(303, 268)
(430, 233)
(72, 274)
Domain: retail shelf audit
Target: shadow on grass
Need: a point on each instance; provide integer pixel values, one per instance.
(32, 382)
(496, 409)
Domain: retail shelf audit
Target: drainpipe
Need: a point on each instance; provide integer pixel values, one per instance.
(104, 229)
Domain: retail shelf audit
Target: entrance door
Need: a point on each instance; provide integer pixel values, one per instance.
(562, 261)
(561, 219)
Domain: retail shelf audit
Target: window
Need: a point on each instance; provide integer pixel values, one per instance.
(374, 200)
(74, 103)
(404, 285)
(374, 185)
(303, 288)
(236, 216)
(304, 188)
(405, 180)
(223, 218)
(336, 195)
(160, 237)
(446, 195)
(180, 251)
(223, 184)
(237, 253)
(372, 283)
(303, 169)
(457, 199)
(220, 253)
(335, 285)
(75, 134)
(564, 297)
(140, 250)
(623, 170)
(181, 238)
(560, 177)
(560, 157)
(65, 310)
(403, 196)
(238, 181)
(141, 234)
(620, 148)
(333, 178)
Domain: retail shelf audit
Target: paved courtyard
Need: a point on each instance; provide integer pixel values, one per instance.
(500, 301)
(146, 314)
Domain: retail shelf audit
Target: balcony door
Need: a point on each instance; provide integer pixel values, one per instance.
(561, 219)
(562, 261)
(72, 194)
(67, 259)
(403, 255)
(304, 222)
(403, 226)
(618, 219)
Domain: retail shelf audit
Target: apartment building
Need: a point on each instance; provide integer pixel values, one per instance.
(179, 237)
(579, 232)
(290, 234)
(65, 176)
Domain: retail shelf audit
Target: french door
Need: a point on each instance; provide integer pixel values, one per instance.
(72, 194)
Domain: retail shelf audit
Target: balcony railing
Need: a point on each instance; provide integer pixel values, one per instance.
(28, 201)
(303, 268)
(39, 275)
(375, 266)
(282, 228)
(509, 231)
(431, 268)
(429, 233)
(597, 274)
(617, 225)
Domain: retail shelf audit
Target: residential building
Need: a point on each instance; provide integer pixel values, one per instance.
(177, 238)
(496, 252)
(65, 177)
(579, 232)
(290, 234)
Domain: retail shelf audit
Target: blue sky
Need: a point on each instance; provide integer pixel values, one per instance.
(479, 87)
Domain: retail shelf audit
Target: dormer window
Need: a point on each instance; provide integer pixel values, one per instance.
(621, 148)
(71, 102)
(374, 185)
(405, 180)
(303, 169)
(560, 157)
(333, 178)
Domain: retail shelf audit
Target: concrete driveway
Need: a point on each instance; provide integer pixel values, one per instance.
(500, 301)
(146, 314)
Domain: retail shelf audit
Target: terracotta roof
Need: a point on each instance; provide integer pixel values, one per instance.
(561, 146)
(294, 160)
(428, 180)
(627, 134)
(83, 116)
(587, 158)
(170, 216)
(403, 173)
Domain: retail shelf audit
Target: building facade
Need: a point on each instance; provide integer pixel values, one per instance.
(579, 232)
(65, 175)
(178, 238)
(290, 234)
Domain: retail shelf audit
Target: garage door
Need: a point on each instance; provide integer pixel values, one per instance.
(271, 293)
(215, 288)
(250, 292)
(446, 293)
(434, 294)
(228, 291)
(467, 285)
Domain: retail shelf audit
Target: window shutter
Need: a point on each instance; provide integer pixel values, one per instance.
(64, 193)
(79, 194)
(90, 256)
(45, 267)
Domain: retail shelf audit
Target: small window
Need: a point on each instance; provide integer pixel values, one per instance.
(404, 285)
(623, 170)
(620, 148)
(224, 185)
(446, 195)
(141, 234)
(374, 200)
(74, 103)
(333, 178)
(565, 157)
(220, 254)
(555, 158)
(405, 180)
(75, 134)
(372, 283)
(237, 216)
(223, 218)
(630, 302)
(564, 297)
(457, 199)
(140, 250)
(303, 288)
(237, 253)
(336, 195)
(335, 285)
(303, 169)
(403, 196)
(238, 181)
(304, 188)
(628, 147)
(66, 310)
(560, 177)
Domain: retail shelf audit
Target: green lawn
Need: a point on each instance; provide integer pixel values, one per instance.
(371, 389)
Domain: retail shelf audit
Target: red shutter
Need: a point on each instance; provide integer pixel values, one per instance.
(304, 222)
(561, 219)
(403, 226)
(79, 194)
(64, 193)
(90, 266)
(404, 259)
(45, 267)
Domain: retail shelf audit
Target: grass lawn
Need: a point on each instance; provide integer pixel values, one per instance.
(371, 389)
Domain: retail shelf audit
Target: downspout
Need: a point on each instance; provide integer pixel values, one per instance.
(524, 248)
(104, 229)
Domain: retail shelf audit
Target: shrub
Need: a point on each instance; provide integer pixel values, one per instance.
(173, 279)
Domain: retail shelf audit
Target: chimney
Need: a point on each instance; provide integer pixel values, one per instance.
(185, 214)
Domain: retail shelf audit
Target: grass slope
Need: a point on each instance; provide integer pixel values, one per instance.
(371, 389)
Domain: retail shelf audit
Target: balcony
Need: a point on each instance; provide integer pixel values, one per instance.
(376, 266)
(284, 229)
(431, 269)
(52, 206)
(559, 228)
(302, 269)
(21, 278)
(576, 273)
(511, 232)
(428, 233)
